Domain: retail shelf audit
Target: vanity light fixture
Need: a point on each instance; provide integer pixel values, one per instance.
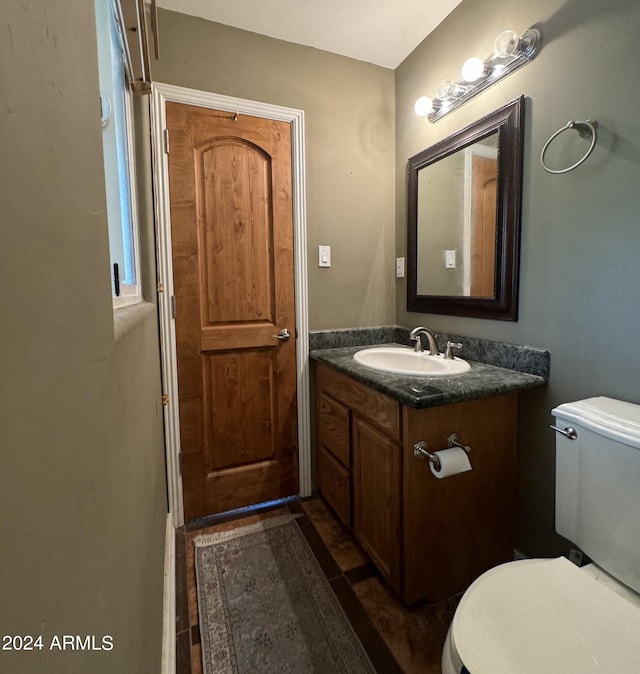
(510, 52)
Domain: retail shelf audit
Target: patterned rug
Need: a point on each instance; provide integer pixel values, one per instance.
(266, 606)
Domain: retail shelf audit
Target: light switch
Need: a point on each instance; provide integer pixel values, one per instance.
(399, 267)
(449, 259)
(324, 256)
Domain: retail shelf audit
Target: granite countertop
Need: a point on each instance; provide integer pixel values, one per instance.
(481, 381)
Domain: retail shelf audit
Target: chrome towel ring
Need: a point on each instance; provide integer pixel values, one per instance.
(585, 129)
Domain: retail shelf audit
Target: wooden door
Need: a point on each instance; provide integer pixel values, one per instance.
(232, 250)
(483, 226)
(376, 497)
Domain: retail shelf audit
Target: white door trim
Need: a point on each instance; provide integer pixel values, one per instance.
(169, 600)
(476, 150)
(161, 94)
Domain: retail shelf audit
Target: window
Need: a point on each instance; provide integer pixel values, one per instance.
(117, 140)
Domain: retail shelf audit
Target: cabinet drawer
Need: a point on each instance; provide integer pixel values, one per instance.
(334, 482)
(334, 428)
(375, 406)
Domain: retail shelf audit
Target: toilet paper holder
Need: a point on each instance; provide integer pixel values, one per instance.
(421, 449)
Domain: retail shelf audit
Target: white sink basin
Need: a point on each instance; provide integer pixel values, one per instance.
(407, 361)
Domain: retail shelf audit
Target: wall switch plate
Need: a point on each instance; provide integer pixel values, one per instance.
(399, 267)
(324, 256)
(449, 259)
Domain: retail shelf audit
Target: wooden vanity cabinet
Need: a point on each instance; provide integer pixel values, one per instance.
(429, 537)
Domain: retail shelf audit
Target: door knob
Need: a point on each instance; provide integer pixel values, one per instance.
(284, 335)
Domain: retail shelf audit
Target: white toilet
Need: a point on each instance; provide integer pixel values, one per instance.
(548, 616)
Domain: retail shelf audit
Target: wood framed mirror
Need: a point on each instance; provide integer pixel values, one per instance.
(464, 210)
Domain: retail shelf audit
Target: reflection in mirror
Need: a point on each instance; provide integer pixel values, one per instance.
(464, 196)
(456, 237)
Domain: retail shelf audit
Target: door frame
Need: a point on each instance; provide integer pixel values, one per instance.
(469, 154)
(160, 95)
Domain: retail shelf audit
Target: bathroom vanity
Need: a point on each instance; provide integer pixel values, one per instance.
(429, 537)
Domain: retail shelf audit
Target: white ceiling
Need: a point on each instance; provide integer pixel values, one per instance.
(383, 32)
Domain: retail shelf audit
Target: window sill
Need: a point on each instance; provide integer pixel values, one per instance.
(125, 318)
(126, 299)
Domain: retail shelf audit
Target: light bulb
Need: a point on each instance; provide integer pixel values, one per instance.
(444, 90)
(448, 89)
(506, 44)
(423, 106)
(473, 69)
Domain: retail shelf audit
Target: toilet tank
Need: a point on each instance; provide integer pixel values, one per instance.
(598, 483)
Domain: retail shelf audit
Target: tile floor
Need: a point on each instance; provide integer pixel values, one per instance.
(396, 638)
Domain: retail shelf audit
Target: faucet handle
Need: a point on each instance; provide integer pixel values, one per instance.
(448, 353)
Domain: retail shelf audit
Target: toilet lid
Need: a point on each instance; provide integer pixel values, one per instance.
(546, 616)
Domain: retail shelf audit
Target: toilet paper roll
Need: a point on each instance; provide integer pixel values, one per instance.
(452, 462)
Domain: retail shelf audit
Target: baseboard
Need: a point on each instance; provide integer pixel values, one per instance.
(169, 601)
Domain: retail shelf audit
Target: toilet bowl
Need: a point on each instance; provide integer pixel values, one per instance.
(545, 616)
(549, 616)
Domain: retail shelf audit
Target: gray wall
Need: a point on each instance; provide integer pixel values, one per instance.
(349, 120)
(82, 484)
(580, 236)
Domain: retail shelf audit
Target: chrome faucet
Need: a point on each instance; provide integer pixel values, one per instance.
(415, 336)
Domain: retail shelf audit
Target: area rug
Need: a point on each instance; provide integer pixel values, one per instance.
(266, 606)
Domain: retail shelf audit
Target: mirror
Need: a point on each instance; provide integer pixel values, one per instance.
(464, 204)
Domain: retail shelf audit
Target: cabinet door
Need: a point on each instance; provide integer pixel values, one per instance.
(456, 528)
(376, 497)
